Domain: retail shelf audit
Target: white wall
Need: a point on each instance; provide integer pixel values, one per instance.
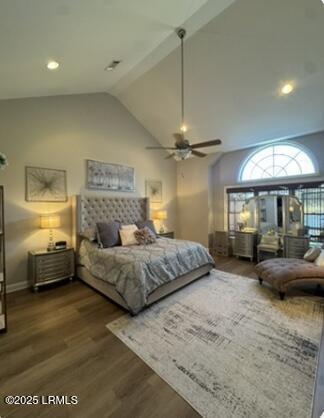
(226, 172)
(62, 132)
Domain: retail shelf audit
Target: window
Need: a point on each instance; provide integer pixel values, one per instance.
(276, 161)
(313, 205)
(310, 195)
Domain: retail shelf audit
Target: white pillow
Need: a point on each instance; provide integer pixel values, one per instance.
(130, 226)
(320, 259)
(127, 236)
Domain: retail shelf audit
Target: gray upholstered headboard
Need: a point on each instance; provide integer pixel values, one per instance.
(88, 210)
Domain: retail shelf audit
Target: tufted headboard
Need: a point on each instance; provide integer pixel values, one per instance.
(88, 210)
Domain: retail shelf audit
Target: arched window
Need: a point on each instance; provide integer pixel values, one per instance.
(275, 161)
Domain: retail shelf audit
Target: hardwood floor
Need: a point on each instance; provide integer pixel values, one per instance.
(57, 344)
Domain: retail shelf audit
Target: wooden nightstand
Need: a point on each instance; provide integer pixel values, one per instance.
(169, 234)
(50, 266)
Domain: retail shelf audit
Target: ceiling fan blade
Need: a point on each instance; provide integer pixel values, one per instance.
(172, 148)
(179, 138)
(198, 154)
(206, 144)
(170, 156)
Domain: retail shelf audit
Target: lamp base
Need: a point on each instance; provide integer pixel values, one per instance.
(51, 245)
(161, 230)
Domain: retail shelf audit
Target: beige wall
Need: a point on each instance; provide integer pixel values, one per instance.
(195, 197)
(62, 132)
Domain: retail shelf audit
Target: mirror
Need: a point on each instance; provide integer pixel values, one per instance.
(294, 216)
(272, 213)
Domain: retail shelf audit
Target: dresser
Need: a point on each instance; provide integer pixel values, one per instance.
(295, 247)
(245, 244)
(3, 310)
(50, 266)
(222, 244)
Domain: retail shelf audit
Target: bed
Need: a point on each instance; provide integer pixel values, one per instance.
(133, 277)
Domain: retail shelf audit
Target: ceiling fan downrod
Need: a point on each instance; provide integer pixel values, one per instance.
(181, 34)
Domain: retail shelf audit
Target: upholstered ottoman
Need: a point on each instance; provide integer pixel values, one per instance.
(283, 273)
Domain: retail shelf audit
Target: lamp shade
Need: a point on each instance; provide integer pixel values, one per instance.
(50, 221)
(160, 215)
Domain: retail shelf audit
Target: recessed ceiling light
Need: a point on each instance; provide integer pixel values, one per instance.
(287, 88)
(52, 65)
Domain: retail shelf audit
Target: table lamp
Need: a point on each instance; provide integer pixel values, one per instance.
(50, 222)
(160, 215)
(245, 216)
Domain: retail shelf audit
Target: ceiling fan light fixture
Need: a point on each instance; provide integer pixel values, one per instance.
(183, 128)
(182, 154)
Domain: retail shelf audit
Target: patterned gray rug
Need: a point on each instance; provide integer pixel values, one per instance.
(230, 347)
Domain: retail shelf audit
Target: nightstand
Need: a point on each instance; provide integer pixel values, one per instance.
(50, 266)
(169, 234)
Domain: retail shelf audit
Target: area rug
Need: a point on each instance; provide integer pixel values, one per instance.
(230, 347)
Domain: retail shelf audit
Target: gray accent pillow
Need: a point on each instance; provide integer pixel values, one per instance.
(148, 224)
(108, 234)
(312, 254)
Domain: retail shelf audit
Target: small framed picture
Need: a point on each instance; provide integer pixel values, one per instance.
(154, 190)
(45, 185)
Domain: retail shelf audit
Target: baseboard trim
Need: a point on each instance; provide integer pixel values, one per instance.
(14, 287)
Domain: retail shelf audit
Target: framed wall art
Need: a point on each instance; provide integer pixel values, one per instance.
(154, 190)
(45, 185)
(113, 177)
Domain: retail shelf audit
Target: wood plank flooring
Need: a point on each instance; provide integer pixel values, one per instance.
(57, 344)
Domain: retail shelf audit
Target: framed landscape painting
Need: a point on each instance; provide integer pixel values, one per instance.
(106, 176)
(45, 185)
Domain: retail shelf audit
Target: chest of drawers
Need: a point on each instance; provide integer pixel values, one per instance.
(295, 247)
(245, 245)
(50, 266)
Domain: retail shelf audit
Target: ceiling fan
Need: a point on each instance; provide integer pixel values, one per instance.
(182, 148)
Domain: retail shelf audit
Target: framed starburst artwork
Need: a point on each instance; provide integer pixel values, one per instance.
(154, 190)
(45, 185)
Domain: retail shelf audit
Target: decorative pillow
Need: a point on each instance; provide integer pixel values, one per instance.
(145, 236)
(130, 226)
(108, 234)
(312, 254)
(149, 224)
(127, 236)
(320, 259)
(90, 234)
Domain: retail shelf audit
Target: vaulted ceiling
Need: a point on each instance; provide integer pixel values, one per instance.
(238, 53)
(235, 66)
(84, 36)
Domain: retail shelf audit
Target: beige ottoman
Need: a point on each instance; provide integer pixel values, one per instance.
(283, 273)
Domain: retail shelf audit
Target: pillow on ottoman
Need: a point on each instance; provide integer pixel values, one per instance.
(312, 254)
